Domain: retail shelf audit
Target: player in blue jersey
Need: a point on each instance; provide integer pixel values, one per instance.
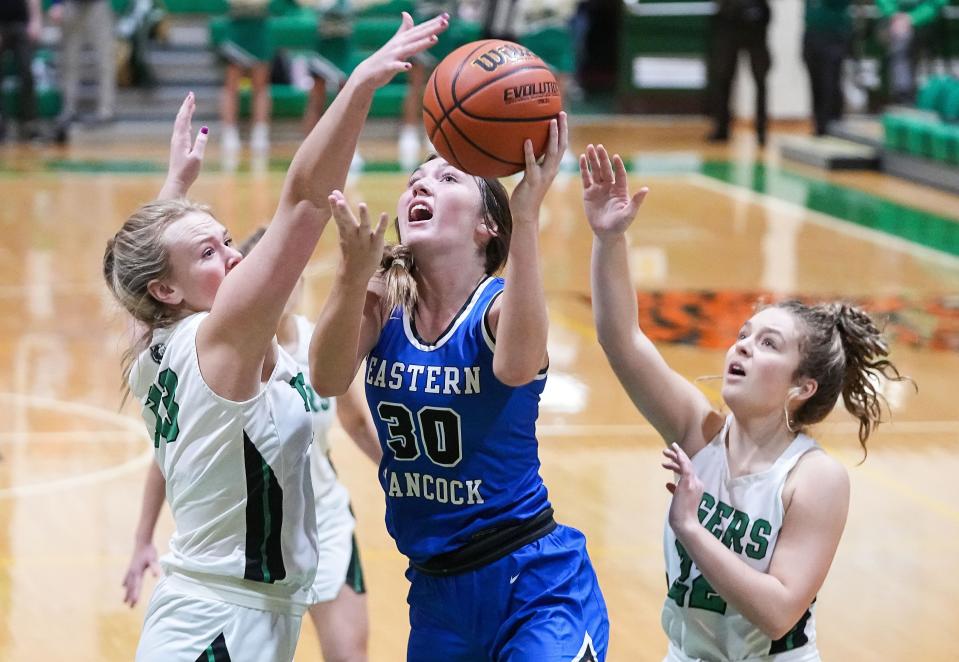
(455, 366)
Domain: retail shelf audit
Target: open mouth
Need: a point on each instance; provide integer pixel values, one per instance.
(736, 369)
(420, 212)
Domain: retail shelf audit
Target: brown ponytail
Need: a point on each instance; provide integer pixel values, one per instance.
(844, 351)
(398, 269)
(397, 264)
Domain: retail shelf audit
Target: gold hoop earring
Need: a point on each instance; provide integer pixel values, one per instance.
(789, 423)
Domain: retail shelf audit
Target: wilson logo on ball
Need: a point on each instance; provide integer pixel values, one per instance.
(484, 100)
(507, 53)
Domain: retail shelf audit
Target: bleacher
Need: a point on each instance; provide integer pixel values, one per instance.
(184, 36)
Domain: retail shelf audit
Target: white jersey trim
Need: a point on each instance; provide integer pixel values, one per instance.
(491, 341)
(237, 591)
(413, 340)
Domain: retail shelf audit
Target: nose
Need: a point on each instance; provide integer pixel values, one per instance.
(742, 346)
(421, 187)
(233, 259)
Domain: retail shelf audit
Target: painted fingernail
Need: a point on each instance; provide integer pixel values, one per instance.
(204, 129)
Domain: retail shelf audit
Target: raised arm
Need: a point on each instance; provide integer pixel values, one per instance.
(144, 551)
(354, 416)
(816, 499)
(186, 154)
(321, 164)
(252, 297)
(352, 316)
(518, 318)
(676, 408)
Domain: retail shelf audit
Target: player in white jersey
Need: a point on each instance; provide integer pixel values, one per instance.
(758, 511)
(224, 405)
(339, 610)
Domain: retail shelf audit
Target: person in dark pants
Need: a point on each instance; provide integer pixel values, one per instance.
(906, 28)
(737, 25)
(20, 25)
(826, 44)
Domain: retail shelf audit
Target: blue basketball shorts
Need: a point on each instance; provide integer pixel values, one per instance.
(541, 603)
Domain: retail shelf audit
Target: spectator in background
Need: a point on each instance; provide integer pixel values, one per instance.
(737, 25)
(20, 24)
(86, 22)
(247, 47)
(826, 44)
(906, 27)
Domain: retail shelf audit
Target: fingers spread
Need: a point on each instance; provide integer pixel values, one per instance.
(605, 164)
(584, 171)
(619, 169)
(383, 224)
(593, 156)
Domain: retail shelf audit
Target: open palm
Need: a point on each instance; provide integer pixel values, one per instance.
(390, 59)
(609, 207)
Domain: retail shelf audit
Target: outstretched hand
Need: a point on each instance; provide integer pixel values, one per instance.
(186, 153)
(529, 193)
(360, 244)
(609, 207)
(378, 69)
(687, 491)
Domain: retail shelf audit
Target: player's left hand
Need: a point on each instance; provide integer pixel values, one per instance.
(361, 244)
(529, 193)
(186, 153)
(687, 491)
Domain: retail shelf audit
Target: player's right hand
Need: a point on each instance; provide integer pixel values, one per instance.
(144, 558)
(609, 207)
(360, 244)
(378, 69)
(186, 153)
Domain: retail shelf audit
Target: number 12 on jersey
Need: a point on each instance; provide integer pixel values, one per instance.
(702, 595)
(439, 433)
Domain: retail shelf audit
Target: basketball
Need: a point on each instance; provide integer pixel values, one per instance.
(484, 100)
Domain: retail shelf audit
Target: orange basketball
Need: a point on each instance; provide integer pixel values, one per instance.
(484, 100)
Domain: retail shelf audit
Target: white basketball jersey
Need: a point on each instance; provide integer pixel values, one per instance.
(237, 473)
(746, 514)
(325, 481)
(325, 408)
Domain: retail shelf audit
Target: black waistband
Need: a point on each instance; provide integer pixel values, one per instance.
(488, 545)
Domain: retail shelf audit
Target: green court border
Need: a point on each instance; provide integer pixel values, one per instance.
(867, 210)
(924, 228)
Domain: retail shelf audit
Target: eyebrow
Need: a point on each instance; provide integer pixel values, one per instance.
(765, 329)
(769, 329)
(206, 236)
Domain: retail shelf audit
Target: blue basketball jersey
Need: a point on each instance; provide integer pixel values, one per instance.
(459, 446)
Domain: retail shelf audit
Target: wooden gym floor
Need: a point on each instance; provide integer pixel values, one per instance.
(721, 227)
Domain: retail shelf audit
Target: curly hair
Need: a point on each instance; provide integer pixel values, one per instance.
(845, 352)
